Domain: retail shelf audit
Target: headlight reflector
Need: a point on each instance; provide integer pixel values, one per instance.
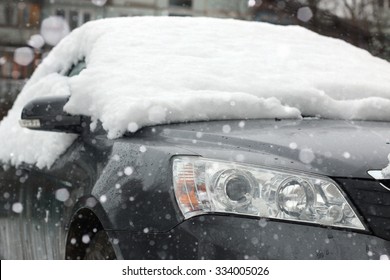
(203, 185)
(295, 196)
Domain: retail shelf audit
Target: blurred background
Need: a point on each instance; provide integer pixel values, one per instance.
(30, 28)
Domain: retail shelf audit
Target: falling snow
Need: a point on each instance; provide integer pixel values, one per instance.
(85, 239)
(306, 155)
(251, 3)
(99, 3)
(128, 170)
(116, 157)
(103, 199)
(304, 14)
(62, 194)
(17, 207)
(142, 149)
(293, 145)
(23, 56)
(346, 155)
(54, 29)
(36, 41)
(91, 202)
(132, 127)
(226, 128)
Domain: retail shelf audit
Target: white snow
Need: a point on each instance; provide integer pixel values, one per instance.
(17, 207)
(128, 170)
(54, 29)
(91, 202)
(99, 3)
(386, 170)
(142, 149)
(36, 41)
(226, 128)
(103, 198)
(23, 56)
(293, 145)
(143, 71)
(62, 194)
(304, 14)
(241, 124)
(306, 155)
(132, 127)
(85, 239)
(251, 3)
(346, 155)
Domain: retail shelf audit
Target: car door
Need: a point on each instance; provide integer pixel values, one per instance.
(36, 204)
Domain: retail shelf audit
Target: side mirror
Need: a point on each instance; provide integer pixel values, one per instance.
(47, 114)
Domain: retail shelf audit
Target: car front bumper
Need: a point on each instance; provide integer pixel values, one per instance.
(234, 237)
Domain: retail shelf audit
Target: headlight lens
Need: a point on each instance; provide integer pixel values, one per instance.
(203, 185)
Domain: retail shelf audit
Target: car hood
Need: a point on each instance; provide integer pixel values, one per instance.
(333, 148)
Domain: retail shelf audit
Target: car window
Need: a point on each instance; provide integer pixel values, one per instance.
(77, 68)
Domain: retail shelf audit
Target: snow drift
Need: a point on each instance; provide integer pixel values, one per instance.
(145, 71)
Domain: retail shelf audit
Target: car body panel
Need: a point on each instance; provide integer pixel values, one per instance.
(238, 237)
(135, 207)
(339, 148)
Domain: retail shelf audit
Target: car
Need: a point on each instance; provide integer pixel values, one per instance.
(252, 182)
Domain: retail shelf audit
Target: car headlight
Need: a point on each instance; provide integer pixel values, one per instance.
(204, 185)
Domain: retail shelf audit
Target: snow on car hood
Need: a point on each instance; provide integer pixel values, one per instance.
(144, 70)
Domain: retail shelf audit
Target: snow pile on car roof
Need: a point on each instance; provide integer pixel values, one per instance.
(145, 71)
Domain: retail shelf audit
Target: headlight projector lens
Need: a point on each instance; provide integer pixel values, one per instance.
(294, 196)
(236, 186)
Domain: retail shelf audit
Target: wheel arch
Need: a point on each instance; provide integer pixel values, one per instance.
(89, 218)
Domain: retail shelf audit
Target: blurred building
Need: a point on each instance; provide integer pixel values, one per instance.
(371, 15)
(78, 12)
(364, 23)
(21, 19)
(18, 22)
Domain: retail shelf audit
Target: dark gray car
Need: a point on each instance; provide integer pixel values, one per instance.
(268, 189)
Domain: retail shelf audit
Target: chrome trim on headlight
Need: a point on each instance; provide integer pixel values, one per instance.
(211, 186)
